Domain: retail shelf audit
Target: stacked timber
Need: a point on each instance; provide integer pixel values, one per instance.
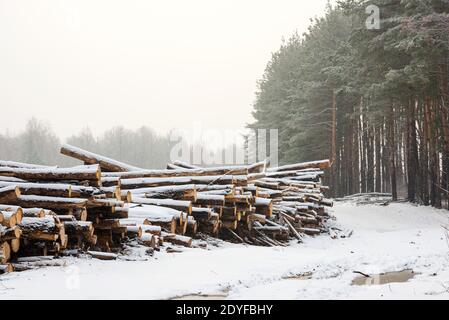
(100, 206)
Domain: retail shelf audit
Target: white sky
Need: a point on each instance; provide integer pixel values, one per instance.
(163, 64)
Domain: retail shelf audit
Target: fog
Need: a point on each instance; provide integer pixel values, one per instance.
(162, 64)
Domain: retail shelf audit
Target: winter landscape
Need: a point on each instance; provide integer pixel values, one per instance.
(195, 150)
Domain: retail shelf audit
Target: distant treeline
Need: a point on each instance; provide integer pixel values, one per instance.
(374, 100)
(38, 144)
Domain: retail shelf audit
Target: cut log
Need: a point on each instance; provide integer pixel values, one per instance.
(66, 218)
(134, 231)
(218, 171)
(13, 164)
(15, 245)
(53, 203)
(84, 173)
(264, 206)
(201, 214)
(134, 222)
(5, 252)
(9, 218)
(91, 158)
(185, 206)
(12, 179)
(39, 229)
(78, 228)
(148, 239)
(255, 217)
(209, 200)
(242, 199)
(192, 226)
(101, 203)
(324, 164)
(156, 230)
(292, 229)
(102, 255)
(140, 183)
(107, 224)
(85, 192)
(112, 192)
(310, 231)
(9, 193)
(181, 164)
(163, 218)
(111, 181)
(267, 185)
(231, 225)
(33, 213)
(256, 176)
(40, 189)
(259, 167)
(10, 234)
(168, 192)
(171, 166)
(18, 210)
(178, 240)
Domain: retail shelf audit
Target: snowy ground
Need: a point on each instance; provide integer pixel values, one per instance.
(385, 239)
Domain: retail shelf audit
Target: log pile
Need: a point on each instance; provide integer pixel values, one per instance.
(98, 207)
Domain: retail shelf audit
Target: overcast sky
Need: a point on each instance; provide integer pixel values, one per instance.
(163, 64)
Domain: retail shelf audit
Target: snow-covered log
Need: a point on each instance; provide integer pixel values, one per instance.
(192, 226)
(41, 189)
(177, 239)
(201, 214)
(53, 203)
(161, 182)
(5, 252)
(171, 166)
(156, 230)
(148, 239)
(10, 218)
(158, 216)
(217, 171)
(168, 192)
(7, 234)
(44, 229)
(323, 164)
(9, 193)
(134, 231)
(13, 164)
(134, 222)
(185, 165)
(102, 255)
(78, 228)
(185, 206)
(83, 173)
(210, 200)
(91, 158)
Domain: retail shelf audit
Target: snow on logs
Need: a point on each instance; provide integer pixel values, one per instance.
(9, 193)
(173, 181)
(98, 206)
(87, 157)
(92, 174)
(323, 164)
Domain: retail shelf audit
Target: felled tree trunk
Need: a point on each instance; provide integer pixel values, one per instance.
(83, 173)
(8, 194)
(92, 158)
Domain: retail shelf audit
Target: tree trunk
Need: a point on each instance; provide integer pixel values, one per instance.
(392, 152)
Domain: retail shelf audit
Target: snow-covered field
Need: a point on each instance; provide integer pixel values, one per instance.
(385, 239)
